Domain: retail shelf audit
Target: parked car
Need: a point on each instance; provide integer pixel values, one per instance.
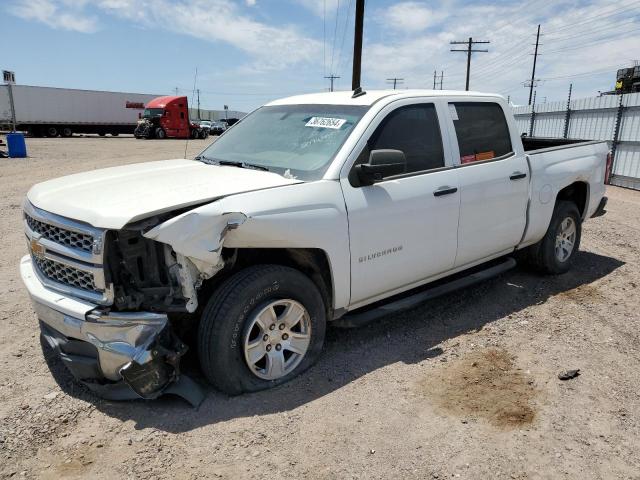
(218, 128)
(205, 125)
(314, 209)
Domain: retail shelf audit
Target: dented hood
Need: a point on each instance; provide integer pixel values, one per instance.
(112, 197)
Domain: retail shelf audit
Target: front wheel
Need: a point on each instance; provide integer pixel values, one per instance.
(554, 254)
(262, 327)
(160, 133)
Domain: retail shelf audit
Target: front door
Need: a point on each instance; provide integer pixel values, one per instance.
(403, 229)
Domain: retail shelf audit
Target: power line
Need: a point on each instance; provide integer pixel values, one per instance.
(324, 37)
(395, 81)
(469, 51)
(344, 34)
(598, 17)
(596, 41)
(335, 34)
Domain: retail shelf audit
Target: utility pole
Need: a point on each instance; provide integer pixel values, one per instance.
(331, 78)
(535, 59)
(357, 45)
(395, 81)
(176, 90)
(533, 115)
(469, 51)
(435, 79)
(198, 103)
(567, 115)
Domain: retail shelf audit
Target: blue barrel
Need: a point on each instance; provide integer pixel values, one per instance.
(17, 145)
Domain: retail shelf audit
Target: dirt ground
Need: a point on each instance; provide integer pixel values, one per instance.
(465, 386)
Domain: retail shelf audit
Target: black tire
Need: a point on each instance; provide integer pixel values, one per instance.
(67, 132)
(226, 318)
(160, 133)
(115, 134)
(194, 134)
(203, 134)
(102, 134)
(52, 132)
(542, 256)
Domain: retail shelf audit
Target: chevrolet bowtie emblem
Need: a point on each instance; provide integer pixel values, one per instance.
(37, 249)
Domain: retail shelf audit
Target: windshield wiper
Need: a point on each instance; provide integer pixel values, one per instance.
(231, 163)
(207, 160)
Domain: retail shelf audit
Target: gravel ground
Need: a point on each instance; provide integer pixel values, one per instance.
(463, 387)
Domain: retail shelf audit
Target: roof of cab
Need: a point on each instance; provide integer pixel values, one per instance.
(371, 96)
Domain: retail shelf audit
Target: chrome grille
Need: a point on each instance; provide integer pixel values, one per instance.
(59, 272)
(56, 234)
(67, 255)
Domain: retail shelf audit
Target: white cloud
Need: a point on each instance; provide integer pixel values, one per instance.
(409, 17)
(65, 15)
(321, 8)
(218, 20)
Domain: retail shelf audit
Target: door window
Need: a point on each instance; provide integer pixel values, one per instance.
(415, 131)
(482, 131)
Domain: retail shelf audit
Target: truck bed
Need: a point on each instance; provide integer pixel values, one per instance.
(539, 143)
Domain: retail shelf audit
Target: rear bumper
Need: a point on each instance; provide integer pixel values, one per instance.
(601, 208)
(117, 355)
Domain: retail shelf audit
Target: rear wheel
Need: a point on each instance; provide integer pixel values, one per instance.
(52, 132)
(262, 327)
(555, 252)
(67, 132)
(194, 134)
(114, 134)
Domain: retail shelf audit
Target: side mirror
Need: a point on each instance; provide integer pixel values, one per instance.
(382, 163)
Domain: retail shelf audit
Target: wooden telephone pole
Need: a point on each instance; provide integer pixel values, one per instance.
(469, 50)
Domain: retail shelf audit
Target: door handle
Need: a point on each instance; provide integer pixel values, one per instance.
(517, 176)
(446, 190)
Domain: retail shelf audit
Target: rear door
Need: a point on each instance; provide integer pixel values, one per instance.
(493, 176)
(402, 229)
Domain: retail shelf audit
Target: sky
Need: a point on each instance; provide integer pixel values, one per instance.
(247, 52)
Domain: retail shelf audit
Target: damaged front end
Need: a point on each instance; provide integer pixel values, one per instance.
(107, 300)
(119, 356)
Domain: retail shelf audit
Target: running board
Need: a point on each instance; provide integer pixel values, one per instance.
(354, 320)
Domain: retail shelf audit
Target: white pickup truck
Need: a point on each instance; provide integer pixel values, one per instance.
(331, 207)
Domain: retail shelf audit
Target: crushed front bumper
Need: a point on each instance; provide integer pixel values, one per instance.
(118, 355)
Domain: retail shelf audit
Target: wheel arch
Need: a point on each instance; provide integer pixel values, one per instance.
(578, 193)
(313, 262)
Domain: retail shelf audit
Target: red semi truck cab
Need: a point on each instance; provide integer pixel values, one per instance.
(168, 117)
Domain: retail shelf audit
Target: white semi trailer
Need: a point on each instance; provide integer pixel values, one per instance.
(52, 112)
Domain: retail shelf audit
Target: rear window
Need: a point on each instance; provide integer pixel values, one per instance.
(482, 131)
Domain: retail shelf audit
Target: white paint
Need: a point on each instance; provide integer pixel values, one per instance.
(113, 197)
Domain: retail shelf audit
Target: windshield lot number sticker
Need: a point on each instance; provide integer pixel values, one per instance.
(325, 122)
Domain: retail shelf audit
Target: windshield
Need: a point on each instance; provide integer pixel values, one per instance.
(292, 140)
(153, 112)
